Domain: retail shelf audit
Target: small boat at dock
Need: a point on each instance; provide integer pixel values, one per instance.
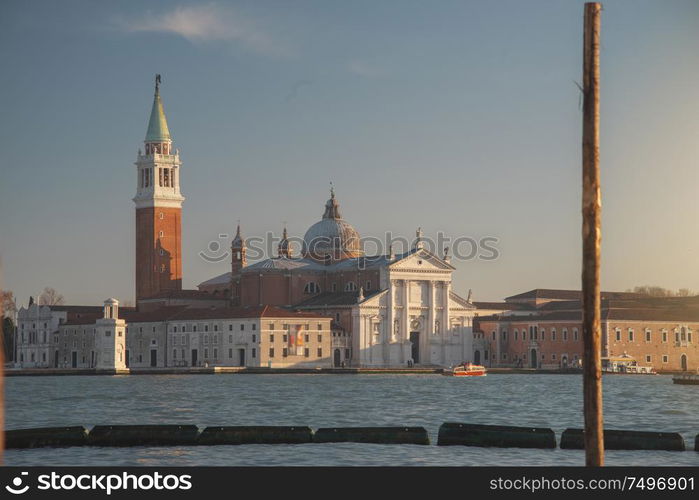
(465, 370)
(626, 365)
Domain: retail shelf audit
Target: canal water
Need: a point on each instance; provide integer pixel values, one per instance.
(630, 402)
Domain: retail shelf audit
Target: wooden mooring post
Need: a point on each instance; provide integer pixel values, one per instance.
(591, 211)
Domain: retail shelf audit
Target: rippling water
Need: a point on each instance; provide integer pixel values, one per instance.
(637, 403)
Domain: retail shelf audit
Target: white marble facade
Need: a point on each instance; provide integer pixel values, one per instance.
(416, 319)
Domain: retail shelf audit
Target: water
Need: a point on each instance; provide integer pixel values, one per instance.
(637, 403)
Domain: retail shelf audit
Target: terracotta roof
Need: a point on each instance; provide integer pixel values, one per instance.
(646, 309)
(183, 294)
(185, 313)
(78, 309)
(546, 293)
(331, 299)
(505, 306)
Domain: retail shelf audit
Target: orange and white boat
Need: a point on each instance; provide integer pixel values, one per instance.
(465, 370)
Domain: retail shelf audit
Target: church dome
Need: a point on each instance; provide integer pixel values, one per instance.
(332, 237)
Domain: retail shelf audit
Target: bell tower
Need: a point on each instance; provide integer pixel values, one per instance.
(158, 208)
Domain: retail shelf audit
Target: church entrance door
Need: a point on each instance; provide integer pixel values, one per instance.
(336, 358)
(415, 350)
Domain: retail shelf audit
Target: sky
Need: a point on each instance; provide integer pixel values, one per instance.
(458, 117)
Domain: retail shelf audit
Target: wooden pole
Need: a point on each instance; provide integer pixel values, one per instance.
(591, 210)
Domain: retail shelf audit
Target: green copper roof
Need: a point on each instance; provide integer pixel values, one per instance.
(157, 125)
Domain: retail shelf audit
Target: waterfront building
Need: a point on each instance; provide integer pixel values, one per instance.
(36, 328)
(181, 336)
(544, 330)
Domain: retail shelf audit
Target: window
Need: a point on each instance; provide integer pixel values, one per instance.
(215, 338)
(337, 317)
(618, 335)
(504, 333)
(161, 215)
(493, 335)
(320, 338)
(230, 353)
(334, 287)
(553, 357)
(368, 285)
(215, 353)
(285, 352)
(553, 334)
(284, 338)
(565, 334)
(648, 336)
(504, 356)
(230, 339)
(524, 335)
(320, 326)
(350, 286)
(194, 328)
(311, 287)
(230, 327)
(271, 337)
(271, 326)
(543, 334)
(516, 334)
(161, 234)
(206, 353)
(242, 327)
(575, 334)
(306, 352)
(665, 358)
(174, 354)
(648, 358)
(254, 352)
(305, 338)
(664, 336)
(630, 335)
(320, 352)
(206, 339)
(174, 329)
(206, 328)
(254, 338)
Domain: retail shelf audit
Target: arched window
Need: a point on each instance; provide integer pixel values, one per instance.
(351, 286)
(311, 287)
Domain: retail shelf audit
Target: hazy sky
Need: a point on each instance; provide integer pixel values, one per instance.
(457, 116)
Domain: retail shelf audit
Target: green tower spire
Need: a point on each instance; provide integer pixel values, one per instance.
(157, 125)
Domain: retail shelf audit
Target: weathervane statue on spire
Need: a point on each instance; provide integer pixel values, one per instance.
(157, 82)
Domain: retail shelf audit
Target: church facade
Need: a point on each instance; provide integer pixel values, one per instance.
(395, 310)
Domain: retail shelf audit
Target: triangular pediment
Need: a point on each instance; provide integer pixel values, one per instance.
(458, 302)
(374, 300)
(421, 260)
